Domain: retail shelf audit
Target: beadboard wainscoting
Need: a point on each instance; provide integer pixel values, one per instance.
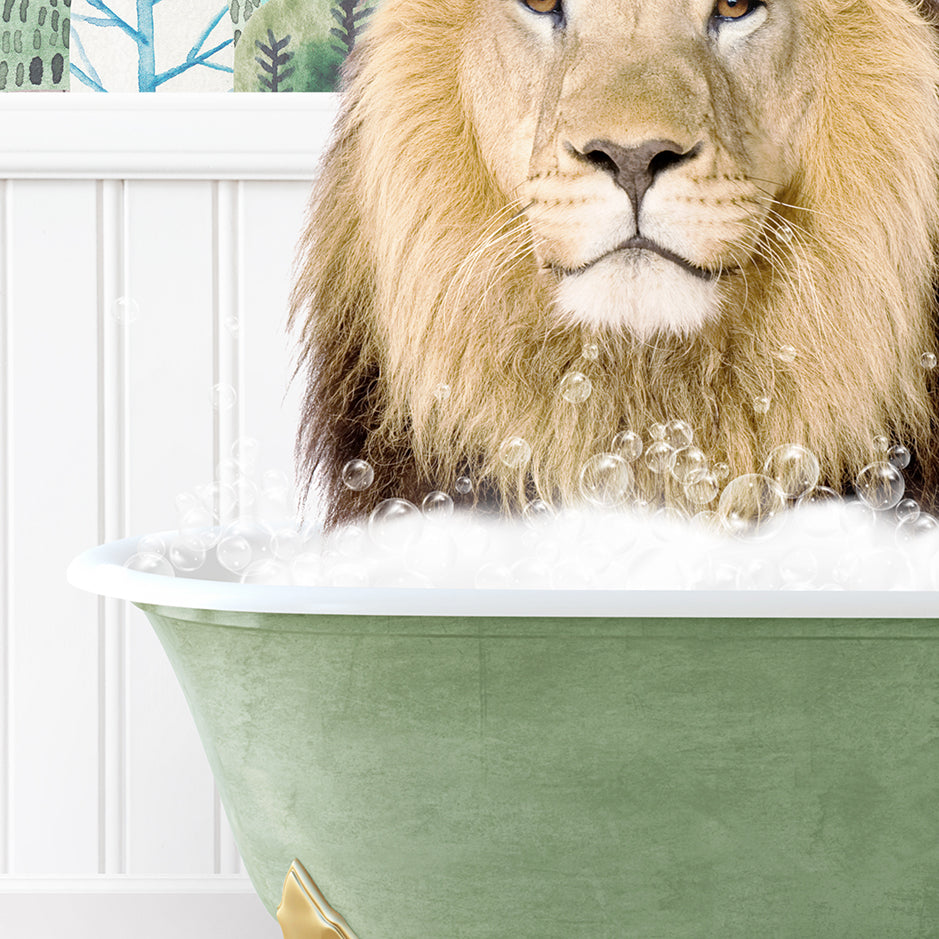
(146, 248)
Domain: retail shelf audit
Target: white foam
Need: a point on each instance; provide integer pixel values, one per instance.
(838, 546)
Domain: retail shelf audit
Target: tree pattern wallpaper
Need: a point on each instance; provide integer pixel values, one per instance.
(177, 45)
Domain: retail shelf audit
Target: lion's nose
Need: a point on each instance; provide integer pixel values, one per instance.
(634, 169)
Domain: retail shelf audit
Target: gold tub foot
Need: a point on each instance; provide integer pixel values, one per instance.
(304, 913)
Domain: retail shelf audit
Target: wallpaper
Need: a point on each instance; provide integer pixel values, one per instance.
(100, 46)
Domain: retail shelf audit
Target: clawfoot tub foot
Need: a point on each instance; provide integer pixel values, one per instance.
(304, 913)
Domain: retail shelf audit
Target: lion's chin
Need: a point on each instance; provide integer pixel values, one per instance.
(643, 295)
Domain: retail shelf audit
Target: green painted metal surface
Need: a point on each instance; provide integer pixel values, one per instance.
(468, 778)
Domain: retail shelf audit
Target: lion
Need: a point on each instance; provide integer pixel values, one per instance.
(721, 212)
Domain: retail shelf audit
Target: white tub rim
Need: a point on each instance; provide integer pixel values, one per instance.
(101, 570)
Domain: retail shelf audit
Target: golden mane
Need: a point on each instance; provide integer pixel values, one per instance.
(415, 271)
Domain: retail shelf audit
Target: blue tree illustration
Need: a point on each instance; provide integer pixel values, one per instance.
(148, 79)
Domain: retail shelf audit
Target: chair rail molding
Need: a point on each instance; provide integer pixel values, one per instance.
(164, 136)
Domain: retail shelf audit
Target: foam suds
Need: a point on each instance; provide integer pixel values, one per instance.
(834, 546)
(779, 531)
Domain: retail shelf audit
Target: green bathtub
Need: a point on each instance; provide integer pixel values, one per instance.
(481, 764)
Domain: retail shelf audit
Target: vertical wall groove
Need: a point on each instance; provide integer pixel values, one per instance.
(228, 372)
(6, 524)
(112, 519)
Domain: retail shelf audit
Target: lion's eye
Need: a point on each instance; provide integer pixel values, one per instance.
(734, 9)
(543, 6)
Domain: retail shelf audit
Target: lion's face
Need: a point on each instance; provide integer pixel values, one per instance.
(644, 142)
(732, 203)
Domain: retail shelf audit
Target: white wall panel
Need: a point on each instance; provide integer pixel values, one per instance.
(102, 423)
(169, 263)
(273, 214)
(53, 382)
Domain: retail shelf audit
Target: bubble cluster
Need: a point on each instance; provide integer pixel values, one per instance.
(667, 514)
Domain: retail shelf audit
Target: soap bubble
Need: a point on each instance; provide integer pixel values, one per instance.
(820, 495)
(678, 434)
(899, 456)
(701, 487)
(628, 445)
(784, 233)
(916, 527)
(880, 486)
(220, 499)
(688, 460)
(605, 479)
(881, 444)
(197, 523)
(442, 391)
(244, 452)
(657, 432)
(591, 351)
(234, 553)
(186, 553)
(148, 563)
(350, 541)
(223, 397)
(394, 524)
(575, 387)
(243, 542)
(907, 509)
(750, 505)
(186, 501)
(721, 471)
(437, 505)
(463, 485)
(514, 452)
(786, 354)
(357, 475)
(151, 544)
(928, 360)
(275, 481)
(761, 405)
(125, 311)
(660, 457)
(286, 544)
(795, 469)
(537, 512)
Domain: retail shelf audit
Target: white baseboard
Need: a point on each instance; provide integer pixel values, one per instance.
(100, 909)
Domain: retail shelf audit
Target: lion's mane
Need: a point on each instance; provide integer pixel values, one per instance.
(415, 271)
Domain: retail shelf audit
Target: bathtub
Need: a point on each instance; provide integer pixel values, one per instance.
(447, 764)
